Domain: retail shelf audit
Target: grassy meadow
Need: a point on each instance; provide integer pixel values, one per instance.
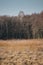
(21, 52)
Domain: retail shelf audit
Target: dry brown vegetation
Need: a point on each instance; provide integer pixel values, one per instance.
(21, 52)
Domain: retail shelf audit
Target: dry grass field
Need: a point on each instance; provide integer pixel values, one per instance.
(21, 52)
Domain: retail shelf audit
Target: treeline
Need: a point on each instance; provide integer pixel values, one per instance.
(26, 27)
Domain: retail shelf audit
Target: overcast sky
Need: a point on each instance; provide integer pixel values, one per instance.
(12, 7)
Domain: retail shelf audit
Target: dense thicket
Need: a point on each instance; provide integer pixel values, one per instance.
(27, 27)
